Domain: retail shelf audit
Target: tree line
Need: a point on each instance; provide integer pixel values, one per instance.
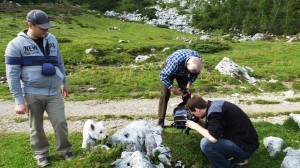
(241, 16)
(250, 16)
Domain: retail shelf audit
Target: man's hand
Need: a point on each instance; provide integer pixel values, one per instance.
(65, 92)
(191, 124)
(176, 91)
(201, 130)
(189, 86)
(21, 109)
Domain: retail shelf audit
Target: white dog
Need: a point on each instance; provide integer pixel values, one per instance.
(93, 132)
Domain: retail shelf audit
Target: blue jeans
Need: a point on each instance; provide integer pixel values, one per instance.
(218, 153)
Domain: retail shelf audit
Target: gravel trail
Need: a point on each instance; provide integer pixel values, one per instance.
(139, 107)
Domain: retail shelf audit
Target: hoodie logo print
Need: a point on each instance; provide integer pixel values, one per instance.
(31, 49)
(52, 48)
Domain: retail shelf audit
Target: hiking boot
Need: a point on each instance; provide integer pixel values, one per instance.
(69, 156)
(161, 122)
(238, 162)
(43, 162)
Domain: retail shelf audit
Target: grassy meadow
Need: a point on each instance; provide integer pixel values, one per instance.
(185, 148)
(113, 71)
(115, 75)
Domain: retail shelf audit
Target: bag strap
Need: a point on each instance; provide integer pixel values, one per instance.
(47, 50)
(31, 60)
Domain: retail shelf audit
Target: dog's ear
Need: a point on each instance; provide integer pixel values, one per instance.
(92, 127)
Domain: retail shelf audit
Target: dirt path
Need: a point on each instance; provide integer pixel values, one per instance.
(138, 107)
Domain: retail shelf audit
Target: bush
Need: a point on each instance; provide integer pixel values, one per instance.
(272, 87)
(142, 50)
(133, 5)
(260, 101)
(296, 85)
(64, 40)
(247, 88)
(210, 47)
(149, 13)
(103, 5)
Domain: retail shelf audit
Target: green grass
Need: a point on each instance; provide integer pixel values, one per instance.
(16, 152)
(295, 99)
(114, 73)
(270, 114)
(259, 101)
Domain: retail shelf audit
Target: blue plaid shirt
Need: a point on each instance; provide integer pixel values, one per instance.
(176, 65)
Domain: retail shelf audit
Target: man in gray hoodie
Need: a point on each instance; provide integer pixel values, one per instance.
(35, 73)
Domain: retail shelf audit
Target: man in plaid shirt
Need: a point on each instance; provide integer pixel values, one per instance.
(184, 65)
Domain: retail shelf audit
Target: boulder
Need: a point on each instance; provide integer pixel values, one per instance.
(273, 144)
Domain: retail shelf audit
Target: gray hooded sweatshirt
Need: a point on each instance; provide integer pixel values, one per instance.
(29, 79)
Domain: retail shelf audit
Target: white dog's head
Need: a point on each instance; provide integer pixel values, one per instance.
(93, 132)
(97, 130)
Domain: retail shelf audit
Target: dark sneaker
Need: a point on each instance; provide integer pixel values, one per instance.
(161, 122)
(69, 156)
(237, 162)
(43, 162)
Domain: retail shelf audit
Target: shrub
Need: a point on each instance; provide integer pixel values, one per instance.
(210, 47)
(149, 13)
(296, 85)
(64, 40)
(296, 99)
(247, 88)
(103, 5)
(140, 50)
(259, 101)
(272, 87)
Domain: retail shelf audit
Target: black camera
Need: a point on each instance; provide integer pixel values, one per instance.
(191, 117)
(184, 90)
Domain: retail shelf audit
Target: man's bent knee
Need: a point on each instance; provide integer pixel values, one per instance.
(205, 144)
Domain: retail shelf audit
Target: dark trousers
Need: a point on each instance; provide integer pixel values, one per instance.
(219, 152)
(166, 93)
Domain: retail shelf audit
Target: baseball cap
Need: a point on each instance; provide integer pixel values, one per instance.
(39, 18)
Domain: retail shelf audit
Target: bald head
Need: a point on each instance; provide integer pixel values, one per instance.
(194, 64)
